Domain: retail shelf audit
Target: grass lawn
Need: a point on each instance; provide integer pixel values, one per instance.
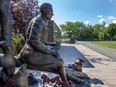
(109, 44)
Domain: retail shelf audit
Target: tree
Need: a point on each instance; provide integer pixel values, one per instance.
(23, 11)
(72, 28)
(111, 29)
(96, 30)
(67, 28)
(99, 31)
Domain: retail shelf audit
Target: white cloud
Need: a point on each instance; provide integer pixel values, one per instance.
(87, 22)
(114, 21)
(102, 20)
(108, 19)
(111, 18)
(99, 16)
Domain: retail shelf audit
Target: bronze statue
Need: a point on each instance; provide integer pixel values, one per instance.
(19, 79)
(8, 62)
(37, 53)
(77, 65)
(74, 71)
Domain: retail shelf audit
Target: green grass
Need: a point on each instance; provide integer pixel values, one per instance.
(109, 44)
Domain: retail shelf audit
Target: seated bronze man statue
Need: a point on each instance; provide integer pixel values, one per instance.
(36, 53)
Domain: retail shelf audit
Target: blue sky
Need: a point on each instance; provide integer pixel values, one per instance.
(87, 11)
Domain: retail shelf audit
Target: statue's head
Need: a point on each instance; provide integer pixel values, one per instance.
(79, 61)
(47, 10)
(78, 65)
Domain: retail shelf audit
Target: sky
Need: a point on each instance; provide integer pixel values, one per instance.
(87, 11)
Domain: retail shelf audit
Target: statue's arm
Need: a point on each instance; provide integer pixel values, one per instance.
(50, 43)
(34, 37)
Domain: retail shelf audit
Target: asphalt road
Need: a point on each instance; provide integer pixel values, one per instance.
(111, 53)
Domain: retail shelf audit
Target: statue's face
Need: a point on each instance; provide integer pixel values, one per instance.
(49, 13)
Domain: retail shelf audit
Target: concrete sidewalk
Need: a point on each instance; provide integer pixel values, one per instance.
(104, 72)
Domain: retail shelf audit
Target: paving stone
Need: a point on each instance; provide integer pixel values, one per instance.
(105, 68)
(111, 77)
(112, 81)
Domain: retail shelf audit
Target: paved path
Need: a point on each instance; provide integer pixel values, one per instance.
(104, 73)
(111, 53)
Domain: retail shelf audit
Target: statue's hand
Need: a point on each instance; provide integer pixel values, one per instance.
(57, 43)
(54, 53)
(53, 44)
